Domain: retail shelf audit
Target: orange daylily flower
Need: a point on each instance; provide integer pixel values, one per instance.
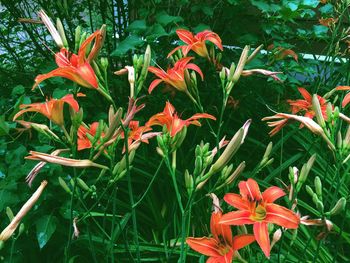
(174, 76)
(328, 21)
(346, 99)
(306, 104)
(171, 120)
(138, 134)
(76, 67)
(221, 247)
(258, 209)
(281, 52)
(52, 109)
(197, 42)
(83, 140)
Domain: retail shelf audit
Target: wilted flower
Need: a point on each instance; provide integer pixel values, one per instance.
(8, 231)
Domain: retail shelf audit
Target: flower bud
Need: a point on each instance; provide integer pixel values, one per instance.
(134, 60)
(309, 190)
(241, 63)
(64, 185)
(339, 207)
(236, 173)
(329, 112)
(104, 63)
(276, 237)
(222, 75)
(83, 185)
(77, 37)
(232, 71)
(319, 206)
(318, 112)
(318, 187)
(189, 183)
(60, 30)
(336, 113)
(198, 166)
(9, 213)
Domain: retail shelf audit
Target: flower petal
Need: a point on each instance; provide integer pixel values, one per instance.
(241, 241)
(185, 35)
(346, 100)
(250, 189)
(305, 94)
(195, 68)
(236, 201)
(272, 193)
(204, 245)
(173, 51)
(220, 232)
(236, 218)
(262, 237)
(154, 84)
(281, 216)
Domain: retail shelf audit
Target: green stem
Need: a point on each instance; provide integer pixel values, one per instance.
(131, 195)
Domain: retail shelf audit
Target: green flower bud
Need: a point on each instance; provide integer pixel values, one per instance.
(83, 185)
(9, 213)
(232, 71)
(60, 30)
(318, 187)
(64, 185)
(198, 166)
(319, 206)
(318, 112)
(339, 207)
(189, 183)
(309, 190)
(77, 38)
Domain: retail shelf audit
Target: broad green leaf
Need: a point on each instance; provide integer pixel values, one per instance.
(137, 26)
(130, 43)
(164, 19)
(45, 227)
(155, 32)
(326, 9)
(18, 90)
(4, 127)
(311, 3)
(15, 156)
(320, 31)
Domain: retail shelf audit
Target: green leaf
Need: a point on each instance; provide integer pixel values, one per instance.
(326, 9)
(155, 32)
(164, 19)
(16, 156)
(45, 227)
(130, 43)
(17, 91)
(137, 26)
(311, 3)
(4, 127)
(320, 31)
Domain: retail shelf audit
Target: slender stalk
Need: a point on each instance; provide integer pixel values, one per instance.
(131, 195)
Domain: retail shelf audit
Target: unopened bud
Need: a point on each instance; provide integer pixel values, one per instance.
(241, 63)
(318, 187)
(104, 62)
(336, 113)
(232, 71)
(83, 185)
(309, 190)
(222, 74)
(64, 185)
(236, 173)
(198, 166)
(276, 237)
(319, 206)
(329, 112)
(60, 30)
(189, 183)
(318, 112)
(9, 213)
(339, 207)
(134, 60)
(77, 37)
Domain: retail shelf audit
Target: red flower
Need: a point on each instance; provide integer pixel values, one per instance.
(52, 109)
(76, 67)
(221, 247)
(83, 140)
(259, 210)
(306, 104)
(171, 120)
(174, 76)
(138, 134)
(197, 42)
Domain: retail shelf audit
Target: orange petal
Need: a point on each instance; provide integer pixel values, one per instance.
(185, 35)
(250, 189)
(174, 50)
(236, 218)
(262, 237)
(88, 75)
(241, 241)
(305, 94)
(204, 245)
(220, 231)
(195, 68)
(343, 88)
(281, 216)
(71, 101)
(236, 201)
(272, 193)
(346, 100)
(154, 84)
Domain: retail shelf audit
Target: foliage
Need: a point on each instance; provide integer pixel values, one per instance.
(128, 176)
